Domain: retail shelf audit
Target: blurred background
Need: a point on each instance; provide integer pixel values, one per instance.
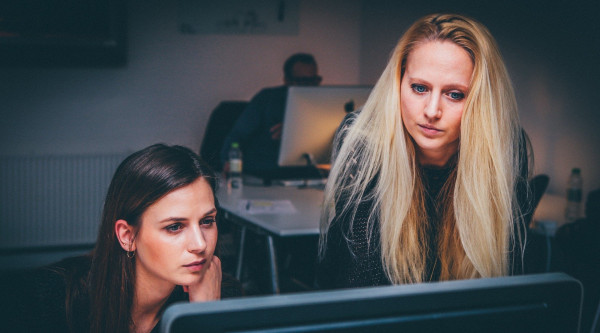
(172, 78)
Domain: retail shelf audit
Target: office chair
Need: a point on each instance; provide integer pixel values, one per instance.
(538, 184)
(537, 187)
(220, 123)
(539, 246)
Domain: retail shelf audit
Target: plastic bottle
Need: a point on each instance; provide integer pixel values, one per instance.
(234, 179)
(574, 194)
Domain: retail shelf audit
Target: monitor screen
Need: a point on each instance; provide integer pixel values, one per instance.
(312, 115)
(548, 302)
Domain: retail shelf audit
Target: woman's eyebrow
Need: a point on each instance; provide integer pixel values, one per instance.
(416, 79)
(173, 219)
(213, 210)
(183, 219)
(458, 86)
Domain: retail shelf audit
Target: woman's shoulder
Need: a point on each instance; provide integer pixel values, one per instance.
(342, 130)
(72, 273)
(71, 265)
(36, 298)
(349, 118)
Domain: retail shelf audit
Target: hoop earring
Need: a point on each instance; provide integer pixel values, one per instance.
(130, 253)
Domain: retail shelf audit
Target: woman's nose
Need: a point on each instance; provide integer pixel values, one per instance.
(433, 107)
(196, 240)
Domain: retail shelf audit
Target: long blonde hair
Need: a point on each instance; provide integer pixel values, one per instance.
(479, 208)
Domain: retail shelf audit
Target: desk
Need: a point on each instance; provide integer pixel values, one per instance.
(304, 222)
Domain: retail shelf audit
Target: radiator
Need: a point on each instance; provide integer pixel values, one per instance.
(53, 200)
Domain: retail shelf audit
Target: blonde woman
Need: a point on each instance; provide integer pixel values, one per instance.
(429, 179)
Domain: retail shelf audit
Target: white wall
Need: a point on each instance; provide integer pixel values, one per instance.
(173, 81)
(170, 85)
(551, 50)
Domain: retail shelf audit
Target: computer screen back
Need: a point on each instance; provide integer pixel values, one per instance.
(311, 117)
(548, 302)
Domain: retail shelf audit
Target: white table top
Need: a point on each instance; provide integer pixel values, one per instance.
(304, 221)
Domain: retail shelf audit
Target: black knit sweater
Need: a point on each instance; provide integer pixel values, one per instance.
(357, 263)
(35, 300)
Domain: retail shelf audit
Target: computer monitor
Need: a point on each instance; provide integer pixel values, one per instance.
(548, 302)
(312, 115)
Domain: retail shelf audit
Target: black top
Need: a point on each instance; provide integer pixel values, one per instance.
(34, 300)
(252, 130)
(357, 263)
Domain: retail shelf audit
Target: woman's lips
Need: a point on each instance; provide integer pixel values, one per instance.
(195, 266)
(429, 130)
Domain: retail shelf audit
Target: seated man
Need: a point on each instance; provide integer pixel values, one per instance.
(258, 129)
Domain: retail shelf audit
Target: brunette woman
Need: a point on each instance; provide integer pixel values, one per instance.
(156, 245)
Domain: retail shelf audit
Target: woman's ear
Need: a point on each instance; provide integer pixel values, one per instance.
(126, 235)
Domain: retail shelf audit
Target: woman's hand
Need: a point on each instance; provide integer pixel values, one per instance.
(276, 131)
(209, 287)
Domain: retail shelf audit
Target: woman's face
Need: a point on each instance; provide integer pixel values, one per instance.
(433, 92)
(177, 236)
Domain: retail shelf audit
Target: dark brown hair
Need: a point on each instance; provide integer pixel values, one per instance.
(288, 66)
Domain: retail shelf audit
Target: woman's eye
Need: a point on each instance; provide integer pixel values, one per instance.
(173, 227)
(208, 221)
(418, 88)
(456, 95)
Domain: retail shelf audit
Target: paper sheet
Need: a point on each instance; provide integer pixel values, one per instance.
(272, 207)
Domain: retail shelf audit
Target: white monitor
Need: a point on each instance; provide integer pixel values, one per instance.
(312, 115)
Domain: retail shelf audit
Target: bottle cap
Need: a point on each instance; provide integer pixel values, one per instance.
(235, 145)
(576, 170)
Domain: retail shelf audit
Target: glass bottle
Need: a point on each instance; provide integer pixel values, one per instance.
(234, 178)
(574, 195)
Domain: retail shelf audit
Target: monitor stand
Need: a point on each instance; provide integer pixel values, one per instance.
(311, 165)
(306, 173)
